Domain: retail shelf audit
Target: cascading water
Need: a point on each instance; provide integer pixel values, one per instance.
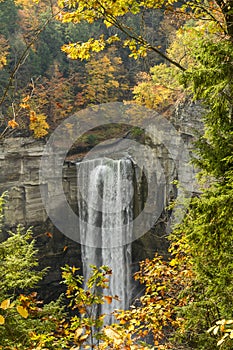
(106, 210)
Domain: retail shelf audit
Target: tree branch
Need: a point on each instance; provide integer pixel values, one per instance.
(124, 29)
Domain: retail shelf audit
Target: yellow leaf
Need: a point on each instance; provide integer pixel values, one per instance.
(78, 332)
(222, 339)
(22, 311)
(111, 333)
(5, 304)
(2, 320)
(83, 337)
(173, 262)
(131, 328)
(229, 321)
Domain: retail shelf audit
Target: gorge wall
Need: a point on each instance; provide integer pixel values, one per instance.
(20, 161)
(19, 164)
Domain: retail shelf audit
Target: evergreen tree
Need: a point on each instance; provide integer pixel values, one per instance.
(21, 314)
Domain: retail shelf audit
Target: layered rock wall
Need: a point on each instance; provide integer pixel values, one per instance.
(19, 176)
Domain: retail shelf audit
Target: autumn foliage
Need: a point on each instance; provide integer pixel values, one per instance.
(56, 59)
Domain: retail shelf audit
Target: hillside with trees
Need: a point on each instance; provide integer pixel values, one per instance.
(58, 58)
(32, 64)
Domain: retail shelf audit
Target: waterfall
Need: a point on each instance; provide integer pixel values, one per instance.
(105, 207)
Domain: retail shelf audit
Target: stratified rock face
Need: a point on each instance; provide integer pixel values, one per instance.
(20, 162)
(186, 117)
(19, 176)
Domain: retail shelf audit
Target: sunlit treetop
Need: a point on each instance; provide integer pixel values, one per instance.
(113, 13)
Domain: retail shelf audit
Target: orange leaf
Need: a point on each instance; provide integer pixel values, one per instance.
(24, 105)
(49, 234)
(122, 321)
(82, 310)
(25, 99)
(59, 105)
(108, 299)
(13, 124)
(32, 114)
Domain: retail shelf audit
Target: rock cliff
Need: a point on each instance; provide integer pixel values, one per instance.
(20, 161)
